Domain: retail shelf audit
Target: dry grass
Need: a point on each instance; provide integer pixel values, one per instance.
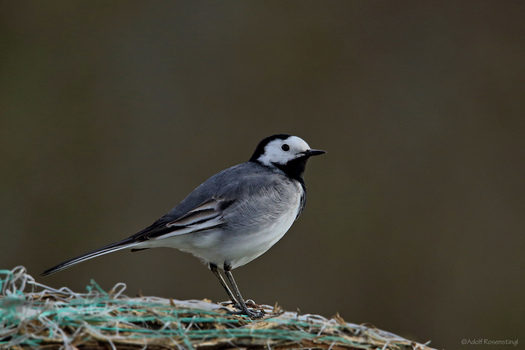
(34, 315)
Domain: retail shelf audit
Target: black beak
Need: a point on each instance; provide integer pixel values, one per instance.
(313, 152)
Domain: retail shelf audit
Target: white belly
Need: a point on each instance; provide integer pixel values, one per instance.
(244, 249)
(248, 232)
(236, 246)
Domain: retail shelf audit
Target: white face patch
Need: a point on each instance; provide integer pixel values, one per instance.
(282, 151)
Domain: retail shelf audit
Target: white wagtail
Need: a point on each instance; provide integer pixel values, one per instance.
(234, 216)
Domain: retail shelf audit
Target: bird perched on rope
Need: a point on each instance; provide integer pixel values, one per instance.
(234, 216)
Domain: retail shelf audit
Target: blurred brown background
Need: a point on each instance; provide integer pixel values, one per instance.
(113, 111)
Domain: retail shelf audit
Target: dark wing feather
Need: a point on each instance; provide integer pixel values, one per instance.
(206, 216)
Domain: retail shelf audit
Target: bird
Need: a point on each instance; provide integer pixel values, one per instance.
(233, 217)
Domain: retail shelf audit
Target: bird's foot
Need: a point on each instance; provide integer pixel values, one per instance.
(252, 314)
(243, 309)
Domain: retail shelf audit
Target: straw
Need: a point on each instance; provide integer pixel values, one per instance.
(35, 315)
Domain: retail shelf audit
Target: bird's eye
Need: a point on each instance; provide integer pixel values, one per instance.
(285, 147)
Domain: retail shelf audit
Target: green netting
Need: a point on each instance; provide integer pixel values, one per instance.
(35, 315)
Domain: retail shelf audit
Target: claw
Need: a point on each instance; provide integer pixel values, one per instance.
(251, 314)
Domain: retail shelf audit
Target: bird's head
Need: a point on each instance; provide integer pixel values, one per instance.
(286, 152)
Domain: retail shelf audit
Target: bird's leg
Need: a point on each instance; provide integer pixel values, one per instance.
(241, 303)
(215, 271)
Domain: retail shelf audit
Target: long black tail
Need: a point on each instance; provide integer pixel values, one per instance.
(127, 243)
